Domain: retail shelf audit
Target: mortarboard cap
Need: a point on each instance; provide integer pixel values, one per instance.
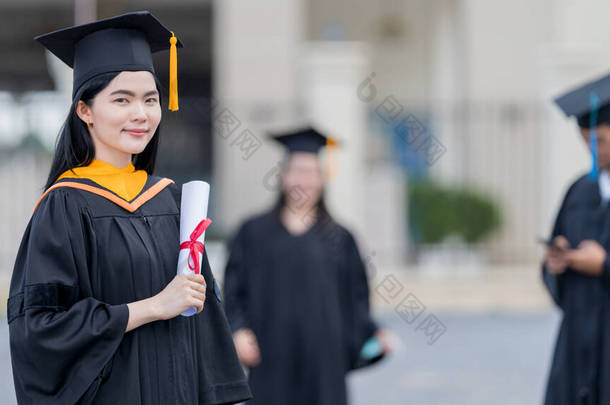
(121, 43)
(590, 104)
(310, 140)
(306, 139)
(578, 102)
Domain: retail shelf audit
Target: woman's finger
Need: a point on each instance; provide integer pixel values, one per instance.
(562, 241)
(197, 303)
(197, 278)
(197, 286)
(197, 294)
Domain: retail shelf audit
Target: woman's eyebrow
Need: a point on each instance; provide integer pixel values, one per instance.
(132, 94)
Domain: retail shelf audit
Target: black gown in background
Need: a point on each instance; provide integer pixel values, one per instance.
(81, 260)
(306, 299)
(580, 373)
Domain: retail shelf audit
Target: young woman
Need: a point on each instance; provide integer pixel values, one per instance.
(95, 302)
(296, 291)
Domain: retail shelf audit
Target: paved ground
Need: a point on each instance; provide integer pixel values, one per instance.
(480, 359)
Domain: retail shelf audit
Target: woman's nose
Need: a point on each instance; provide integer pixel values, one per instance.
(139, 111)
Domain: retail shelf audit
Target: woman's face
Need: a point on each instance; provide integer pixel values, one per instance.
(603, 144)
(302, 180)
(125, 116)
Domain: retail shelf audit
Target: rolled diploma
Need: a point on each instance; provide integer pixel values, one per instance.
(193, 209)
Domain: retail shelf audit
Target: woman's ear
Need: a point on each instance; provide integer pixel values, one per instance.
(84, 112)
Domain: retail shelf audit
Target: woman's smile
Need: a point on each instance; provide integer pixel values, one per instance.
(136, 132)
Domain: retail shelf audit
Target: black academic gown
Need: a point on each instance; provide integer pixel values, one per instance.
(580, 373)
(306, 299)
(81, 260)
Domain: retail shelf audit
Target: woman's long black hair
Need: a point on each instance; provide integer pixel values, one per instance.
(324, 224)
(74, 146)
(320, 205)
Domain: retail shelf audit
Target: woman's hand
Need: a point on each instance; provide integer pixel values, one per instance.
(555, 259)
(183, 292)
(588, 258)
(384, 338)
(247, 347)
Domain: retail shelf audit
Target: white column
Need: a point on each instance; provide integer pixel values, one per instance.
(254, 85)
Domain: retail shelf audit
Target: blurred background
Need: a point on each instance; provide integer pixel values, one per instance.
(453, 158)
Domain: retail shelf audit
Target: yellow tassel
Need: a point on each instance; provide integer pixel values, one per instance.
(331, 158)
(173, 74)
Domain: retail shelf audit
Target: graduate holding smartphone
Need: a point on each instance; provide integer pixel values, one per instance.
(576, 267)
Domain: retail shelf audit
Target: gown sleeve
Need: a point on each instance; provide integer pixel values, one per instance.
(362, 325)
(554, 282)
(235, 283)
(61, 337)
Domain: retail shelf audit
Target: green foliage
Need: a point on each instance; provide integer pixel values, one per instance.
(437, 211)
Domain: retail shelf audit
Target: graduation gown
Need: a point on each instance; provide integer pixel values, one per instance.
(83, 257)
(581, 363)
(306, 299)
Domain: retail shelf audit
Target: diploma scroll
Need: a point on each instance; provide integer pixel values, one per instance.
(193, 223)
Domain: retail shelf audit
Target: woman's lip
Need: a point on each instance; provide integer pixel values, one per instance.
(136, 132)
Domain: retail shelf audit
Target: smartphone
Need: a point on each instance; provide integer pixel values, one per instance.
(551, 243)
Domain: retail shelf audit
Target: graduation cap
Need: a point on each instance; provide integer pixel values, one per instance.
(306, 139)
(590, 104)
(309, 140)
(121, 43)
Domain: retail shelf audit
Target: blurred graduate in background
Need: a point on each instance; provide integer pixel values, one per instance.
(296, 290)
(576, 268)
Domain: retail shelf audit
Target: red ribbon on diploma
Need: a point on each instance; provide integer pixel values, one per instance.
(194, 245)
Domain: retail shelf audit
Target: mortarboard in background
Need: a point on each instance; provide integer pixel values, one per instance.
(121, 43)
(309, 140)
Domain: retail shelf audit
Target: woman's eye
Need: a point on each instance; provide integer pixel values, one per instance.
(121, 100)
(151, 100)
